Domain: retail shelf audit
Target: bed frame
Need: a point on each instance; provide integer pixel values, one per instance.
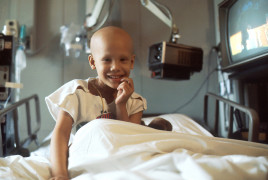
(253, 127)
(253, 131)
(20, 147)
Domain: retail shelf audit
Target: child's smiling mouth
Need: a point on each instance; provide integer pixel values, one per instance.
(115, 76)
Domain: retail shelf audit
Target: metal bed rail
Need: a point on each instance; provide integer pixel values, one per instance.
(32, 134)
(253, 131)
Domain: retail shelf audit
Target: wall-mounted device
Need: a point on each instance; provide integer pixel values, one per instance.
(174, 61)
(12, 28)
(23, 14)
(171, 60)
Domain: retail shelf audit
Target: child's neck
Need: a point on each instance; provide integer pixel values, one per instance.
(108, 93)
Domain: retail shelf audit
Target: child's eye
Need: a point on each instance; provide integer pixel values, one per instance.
(123, 59)
(106, 59)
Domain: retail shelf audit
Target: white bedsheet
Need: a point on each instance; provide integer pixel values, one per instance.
(109, 149)
(105, 149)
(19, 168)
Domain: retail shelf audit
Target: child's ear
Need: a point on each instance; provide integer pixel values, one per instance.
(132, 61)
(91, 62)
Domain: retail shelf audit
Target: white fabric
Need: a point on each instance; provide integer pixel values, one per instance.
(111, 149)
(82, 105)
(105, 149)
(182, 124)
(19, 168)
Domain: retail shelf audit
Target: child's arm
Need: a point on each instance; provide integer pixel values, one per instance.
(121, 114)
(125, 89)
(59, 145)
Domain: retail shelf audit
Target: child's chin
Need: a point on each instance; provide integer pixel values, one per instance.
(114, 85)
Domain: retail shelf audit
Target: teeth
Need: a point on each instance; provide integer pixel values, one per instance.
(114, 77)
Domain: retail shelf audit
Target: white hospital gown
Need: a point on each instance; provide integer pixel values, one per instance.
(84, 106)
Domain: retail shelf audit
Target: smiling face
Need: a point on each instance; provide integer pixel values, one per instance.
(112, 55)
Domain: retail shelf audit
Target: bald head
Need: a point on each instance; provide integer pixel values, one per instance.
(110, 35)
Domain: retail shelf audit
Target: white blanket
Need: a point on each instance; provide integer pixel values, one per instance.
(105, 149)
(19, 168)
(113, 150)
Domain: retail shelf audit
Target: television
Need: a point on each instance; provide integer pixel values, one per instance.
(244, 34)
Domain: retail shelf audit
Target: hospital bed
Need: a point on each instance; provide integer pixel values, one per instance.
(112, 149)
(9, 118)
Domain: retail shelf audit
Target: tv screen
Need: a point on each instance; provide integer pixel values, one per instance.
(244, 30)
(248, 28)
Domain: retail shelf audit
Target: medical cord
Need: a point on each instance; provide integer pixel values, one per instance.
(225, 90)
(100, 97)
(45, 45)
(225, 93)
(198, 90)
(203, 83)
(8, 98)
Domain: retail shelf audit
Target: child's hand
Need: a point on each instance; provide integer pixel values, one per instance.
(125, 89)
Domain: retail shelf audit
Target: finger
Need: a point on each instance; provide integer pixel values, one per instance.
(128, 81)
(123, 88)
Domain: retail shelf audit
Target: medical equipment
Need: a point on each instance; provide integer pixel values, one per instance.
(7, 54)
(12, 62)
(7, 48)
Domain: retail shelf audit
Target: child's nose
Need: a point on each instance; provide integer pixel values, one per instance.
(115, 65)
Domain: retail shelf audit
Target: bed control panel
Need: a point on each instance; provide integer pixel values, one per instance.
(174, 61)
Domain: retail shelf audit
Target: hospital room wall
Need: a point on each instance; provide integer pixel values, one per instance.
(50, 68)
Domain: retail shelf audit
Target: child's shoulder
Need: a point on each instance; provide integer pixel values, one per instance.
(135, 95)
(136, 103)
(72, 85)
(77, 83)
